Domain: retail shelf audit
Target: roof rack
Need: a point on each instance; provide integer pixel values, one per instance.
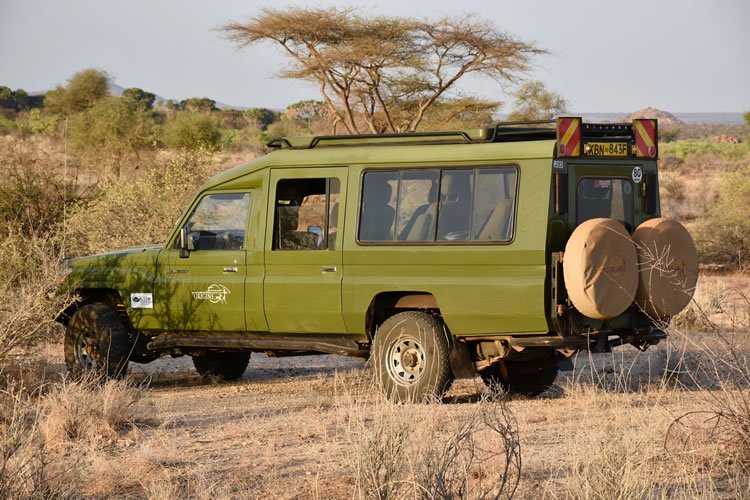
(501, 132)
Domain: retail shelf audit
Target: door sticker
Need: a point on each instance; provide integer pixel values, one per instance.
(215, 294)
(141, 301)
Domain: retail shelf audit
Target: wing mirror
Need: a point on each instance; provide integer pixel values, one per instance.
(185, 243)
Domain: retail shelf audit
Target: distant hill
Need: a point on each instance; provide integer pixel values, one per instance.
(664, 117)
(116, 90)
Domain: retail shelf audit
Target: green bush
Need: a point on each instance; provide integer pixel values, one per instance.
(37, 122)
(114, 125)
(188, 130)
(7, 125)
(83, 90)
(140, 210)
(724, 237)
(685, 149)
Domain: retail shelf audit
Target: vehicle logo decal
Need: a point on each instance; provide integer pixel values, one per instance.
(141, 301)
(637, 175)
(215, 294)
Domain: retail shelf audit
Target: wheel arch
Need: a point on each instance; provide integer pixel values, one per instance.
(86, 296)
(386, 304)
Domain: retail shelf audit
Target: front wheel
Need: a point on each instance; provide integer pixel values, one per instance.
(97, 341)
(225, 365)
(411, 357)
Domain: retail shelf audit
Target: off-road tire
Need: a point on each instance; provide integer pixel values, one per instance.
(97, 342)
(525, 383)
(223, 365)
(411, 357)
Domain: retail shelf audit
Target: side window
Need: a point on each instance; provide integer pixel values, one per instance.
(306, 214)
(494, 204)
(469, 204)
(399, 206)
(218, 222)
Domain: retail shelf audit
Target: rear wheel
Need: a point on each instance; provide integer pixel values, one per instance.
(97, 341)
(521, 378)
(224, 365)
(411, 357)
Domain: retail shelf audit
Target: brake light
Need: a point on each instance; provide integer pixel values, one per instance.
(645, 138)
(569, 136)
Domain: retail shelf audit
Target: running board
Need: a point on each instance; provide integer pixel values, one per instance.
(328, 344)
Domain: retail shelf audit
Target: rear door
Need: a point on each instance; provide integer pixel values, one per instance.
(303, 258)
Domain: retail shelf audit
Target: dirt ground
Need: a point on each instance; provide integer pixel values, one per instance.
(285, 429)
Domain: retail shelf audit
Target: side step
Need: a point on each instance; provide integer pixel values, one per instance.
(344, 345)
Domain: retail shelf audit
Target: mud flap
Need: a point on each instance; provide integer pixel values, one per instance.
(461, 363)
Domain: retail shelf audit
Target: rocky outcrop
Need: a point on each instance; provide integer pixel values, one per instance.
(664, 117)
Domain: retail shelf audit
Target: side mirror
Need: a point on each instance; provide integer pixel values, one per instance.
(185, 243)
(317, 231)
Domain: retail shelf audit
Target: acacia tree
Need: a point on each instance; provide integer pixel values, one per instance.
(535, 102)
(384, 74)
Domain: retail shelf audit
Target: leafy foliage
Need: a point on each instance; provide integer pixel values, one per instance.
(725, 237)
(188, 130)
(198, 104)
(383, 74)
(535, 102)
(144, 100)
(117, 125)
(262, 117)
(83, 90)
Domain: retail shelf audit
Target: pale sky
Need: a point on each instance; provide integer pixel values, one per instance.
(680, 56)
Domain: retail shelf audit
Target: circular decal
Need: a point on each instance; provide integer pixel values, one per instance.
(626, 188)
(637, 175)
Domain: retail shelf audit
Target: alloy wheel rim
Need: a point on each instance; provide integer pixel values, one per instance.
(406, 361)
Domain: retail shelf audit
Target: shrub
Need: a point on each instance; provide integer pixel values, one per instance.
(724, 238)
(145, 207)
(725, 151)
(188, 130)
(7, 125)
(83, 90)
(113, 125)
(37, 122)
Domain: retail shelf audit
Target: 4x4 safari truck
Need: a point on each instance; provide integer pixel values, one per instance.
(498, 251)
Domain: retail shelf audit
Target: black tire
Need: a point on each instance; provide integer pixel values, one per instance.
(411, 357)
(224, 365)
(97, 342)
(521, 380)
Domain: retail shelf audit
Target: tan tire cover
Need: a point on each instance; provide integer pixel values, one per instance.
(600, 266)
(668, 264)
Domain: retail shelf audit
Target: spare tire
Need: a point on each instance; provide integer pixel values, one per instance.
(600, 267)
(668, 264)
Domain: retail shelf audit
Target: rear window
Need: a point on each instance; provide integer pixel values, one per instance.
(605, 197)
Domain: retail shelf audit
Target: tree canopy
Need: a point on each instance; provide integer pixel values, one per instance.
(535, 102)
(142, 99)
(385, 74)
(82, 91)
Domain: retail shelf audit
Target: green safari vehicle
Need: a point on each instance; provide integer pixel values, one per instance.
(499, 252)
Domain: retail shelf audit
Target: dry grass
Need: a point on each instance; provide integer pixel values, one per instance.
(430, 451)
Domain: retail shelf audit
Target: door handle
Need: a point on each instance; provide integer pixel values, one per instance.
(230, 269)
(328, 269)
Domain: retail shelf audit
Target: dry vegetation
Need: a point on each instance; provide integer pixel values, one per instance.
(670, 422)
